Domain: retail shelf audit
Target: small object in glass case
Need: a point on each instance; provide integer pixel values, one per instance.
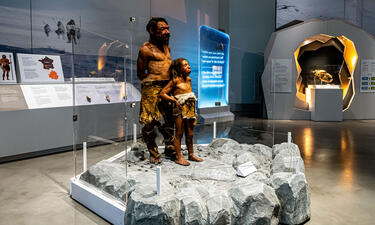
(323, 76)
(107, 98)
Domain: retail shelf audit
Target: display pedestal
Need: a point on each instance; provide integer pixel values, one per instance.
(326, 104)
(111, 210)
(101, 203)
(212, 114)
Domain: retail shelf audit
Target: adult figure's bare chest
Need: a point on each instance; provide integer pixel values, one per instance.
(158, 64)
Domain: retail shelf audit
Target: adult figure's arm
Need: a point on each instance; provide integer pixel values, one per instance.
(166, 90)
(142, 62)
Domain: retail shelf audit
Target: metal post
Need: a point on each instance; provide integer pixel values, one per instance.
(84, 156)
(158, 180)
(214, 131)
(134, 133)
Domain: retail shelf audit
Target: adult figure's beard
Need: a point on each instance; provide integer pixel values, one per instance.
(164, 40)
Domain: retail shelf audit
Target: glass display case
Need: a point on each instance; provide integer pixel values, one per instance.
(117, 172)
(78, 84)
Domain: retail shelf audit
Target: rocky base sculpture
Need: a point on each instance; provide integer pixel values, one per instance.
(210, 192)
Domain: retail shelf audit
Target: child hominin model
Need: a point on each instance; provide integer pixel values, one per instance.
(184, 110)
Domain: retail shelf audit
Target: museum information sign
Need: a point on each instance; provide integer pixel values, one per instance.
(281, 75)
(40, 68)
(48, 95)
(367, 76)
(11, 98)
(213, 68)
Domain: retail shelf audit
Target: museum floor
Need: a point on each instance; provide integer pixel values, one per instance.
(339, 160)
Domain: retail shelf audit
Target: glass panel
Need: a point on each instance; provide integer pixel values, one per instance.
(104, 101)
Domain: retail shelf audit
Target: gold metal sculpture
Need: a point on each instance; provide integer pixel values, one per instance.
(345, 76)
(323, 76)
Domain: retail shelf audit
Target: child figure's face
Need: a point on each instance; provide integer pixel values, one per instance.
(185, 68)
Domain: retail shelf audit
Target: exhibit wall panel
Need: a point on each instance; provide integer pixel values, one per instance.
(15, 25)
(107, 19)
(368, 16)
(26, 131)
(251, 23)
(358, 12)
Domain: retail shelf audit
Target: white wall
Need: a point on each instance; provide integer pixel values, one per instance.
(250, 25)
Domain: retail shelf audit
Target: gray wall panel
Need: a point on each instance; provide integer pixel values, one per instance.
(30, 131)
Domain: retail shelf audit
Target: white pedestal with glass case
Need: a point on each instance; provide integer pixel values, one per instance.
(326, 103)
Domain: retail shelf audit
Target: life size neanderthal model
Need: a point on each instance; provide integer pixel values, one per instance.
(153, 64)
(5, 65)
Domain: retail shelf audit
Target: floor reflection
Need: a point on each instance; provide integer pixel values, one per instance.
(347, 158)
(308, 145)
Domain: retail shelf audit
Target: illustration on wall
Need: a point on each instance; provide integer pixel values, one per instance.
(325, 60)
(7, 71)
(47, 63)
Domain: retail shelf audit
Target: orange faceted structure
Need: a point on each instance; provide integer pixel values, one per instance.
(324, 52)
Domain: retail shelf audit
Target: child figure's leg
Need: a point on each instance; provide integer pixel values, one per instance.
(189, 128)
(177, 141)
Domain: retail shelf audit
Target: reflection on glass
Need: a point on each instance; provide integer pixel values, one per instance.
(347, 158)
(102, 54)
(307, 144)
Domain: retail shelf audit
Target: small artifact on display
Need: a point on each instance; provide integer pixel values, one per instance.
(323, 76)
(88, 99)
(93, 73)
(210, 192)
(331, 60)
(107, 98)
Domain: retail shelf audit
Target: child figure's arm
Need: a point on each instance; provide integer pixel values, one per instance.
(167, 89)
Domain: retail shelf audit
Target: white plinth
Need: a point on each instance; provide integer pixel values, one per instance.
(111, 210)
(326, 104)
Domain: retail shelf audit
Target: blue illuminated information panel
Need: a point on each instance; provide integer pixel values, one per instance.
(213, 68)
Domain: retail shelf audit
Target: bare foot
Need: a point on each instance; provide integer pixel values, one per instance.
(195, 158)
(182, 161)
(154, 160)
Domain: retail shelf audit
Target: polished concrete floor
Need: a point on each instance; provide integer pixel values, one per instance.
(339, 159)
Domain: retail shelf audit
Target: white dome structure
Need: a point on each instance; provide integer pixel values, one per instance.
(280, 98)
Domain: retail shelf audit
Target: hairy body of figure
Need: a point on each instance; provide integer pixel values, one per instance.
(154, 60)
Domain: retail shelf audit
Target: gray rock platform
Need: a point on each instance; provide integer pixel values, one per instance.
(210, 192)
